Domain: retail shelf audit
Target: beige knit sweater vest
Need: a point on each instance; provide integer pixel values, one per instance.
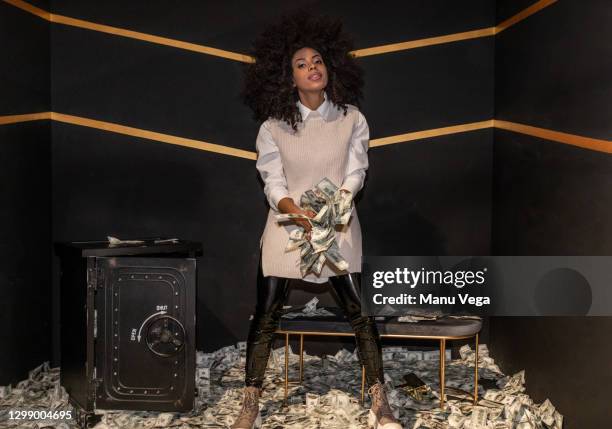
(318, 149)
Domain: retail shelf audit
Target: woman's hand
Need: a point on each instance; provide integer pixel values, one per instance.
(303, 222)
(286, 205)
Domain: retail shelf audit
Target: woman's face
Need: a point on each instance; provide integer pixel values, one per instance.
(309, 71)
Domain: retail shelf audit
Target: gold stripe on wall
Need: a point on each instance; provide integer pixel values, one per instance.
(152, 135)
(484, 32)
(537, 6)
(402, 46)
(66, 20)
(151, 38)
(30, 8)
(13, 119)
(435, 132)
(557, 136)
(194, 47)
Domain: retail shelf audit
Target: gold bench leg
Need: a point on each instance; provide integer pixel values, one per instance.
(301, 358)
(286, 366)
(442, 368)
(476, 372)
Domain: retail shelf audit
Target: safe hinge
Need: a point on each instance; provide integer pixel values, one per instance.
(95, 380)
(95, 278)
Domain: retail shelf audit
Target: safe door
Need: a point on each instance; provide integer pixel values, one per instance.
(145, 333)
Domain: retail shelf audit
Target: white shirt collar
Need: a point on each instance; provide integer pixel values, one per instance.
(324, 109)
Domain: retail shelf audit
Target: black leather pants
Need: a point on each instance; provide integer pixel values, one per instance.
(271, 295)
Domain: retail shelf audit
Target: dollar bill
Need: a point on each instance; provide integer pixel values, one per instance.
(332, 207)
(114, 241)
(310, 310)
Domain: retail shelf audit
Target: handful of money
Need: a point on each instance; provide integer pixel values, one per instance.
(332, 207)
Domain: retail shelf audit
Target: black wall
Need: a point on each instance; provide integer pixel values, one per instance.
(25, 190)
(108, 184)
(553, 70)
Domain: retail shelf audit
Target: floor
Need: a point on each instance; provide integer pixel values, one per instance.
(329, 396)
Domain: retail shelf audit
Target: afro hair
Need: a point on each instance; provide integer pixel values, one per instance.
(268, 89)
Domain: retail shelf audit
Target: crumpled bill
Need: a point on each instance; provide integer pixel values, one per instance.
(333, 207)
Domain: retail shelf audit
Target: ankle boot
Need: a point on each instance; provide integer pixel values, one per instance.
(381, 415)
(249, 417)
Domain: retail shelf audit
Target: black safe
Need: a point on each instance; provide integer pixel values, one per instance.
(128, 324)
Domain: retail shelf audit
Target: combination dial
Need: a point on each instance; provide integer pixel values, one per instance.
(165, 336)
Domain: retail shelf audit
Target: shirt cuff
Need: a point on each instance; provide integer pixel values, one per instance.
(352, 183)
(276, 195)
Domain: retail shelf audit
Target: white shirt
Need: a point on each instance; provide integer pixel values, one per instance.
(270, 166)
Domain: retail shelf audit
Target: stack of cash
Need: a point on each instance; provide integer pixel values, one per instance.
(309, 310)
(333, 207)
(114, 241)
(328, 397)
(416, 315)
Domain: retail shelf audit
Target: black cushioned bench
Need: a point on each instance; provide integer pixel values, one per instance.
(442, 329)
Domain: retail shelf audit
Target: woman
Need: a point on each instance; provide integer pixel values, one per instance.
(305, 86)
